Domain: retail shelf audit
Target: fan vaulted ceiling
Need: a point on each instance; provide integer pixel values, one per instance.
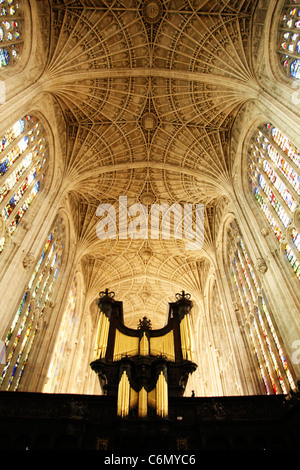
(150, 90)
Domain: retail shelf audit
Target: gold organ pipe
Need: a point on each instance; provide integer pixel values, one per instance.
(123, 396)
(144, 345)
(122, 392)
(120, 396)
(142, 411)
(158, 396)
(96, 353)
(127, 397)
(161, 396)
(186, 339)
(98, 330)
(183, 337)
(133, 398)
(125, 345)
(105, 336)
(189, 331)
(165, 397)
(102, 335)
(163, 345)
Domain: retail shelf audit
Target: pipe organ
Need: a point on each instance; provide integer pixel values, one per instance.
(143, 367)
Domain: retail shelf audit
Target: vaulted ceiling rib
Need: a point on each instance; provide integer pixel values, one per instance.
(149, 90)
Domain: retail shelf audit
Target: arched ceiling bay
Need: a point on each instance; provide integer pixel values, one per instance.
(149, 90)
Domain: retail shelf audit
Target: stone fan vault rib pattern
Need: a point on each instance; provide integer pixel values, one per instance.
(149, 91)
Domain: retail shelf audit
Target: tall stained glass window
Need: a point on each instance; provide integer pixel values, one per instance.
(274, 176)
(29, 314)
(11, 26)
(23, 160)
(289, 39)
(65, 339)
(263, 339)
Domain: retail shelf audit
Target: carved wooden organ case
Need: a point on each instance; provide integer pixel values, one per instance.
(143, 367)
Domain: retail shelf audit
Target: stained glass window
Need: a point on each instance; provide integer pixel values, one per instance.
(11, 26)
(29, 315)
(289, 39)
(23, 159)
(65, 339)
(274, 176)
(264, 340)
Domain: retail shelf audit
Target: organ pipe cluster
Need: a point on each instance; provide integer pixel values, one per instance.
(143, 367)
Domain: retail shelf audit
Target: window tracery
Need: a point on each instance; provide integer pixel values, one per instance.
(23, 157)
(255, 313)
(29, 315)
(289, 39)
(274, 176)
(11, 25)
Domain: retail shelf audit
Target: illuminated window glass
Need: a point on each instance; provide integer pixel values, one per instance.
(29, 315)
(289, 39)
(274, 176)
(23, 157)
(65, 337)
(271, 360)
(11, 26)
